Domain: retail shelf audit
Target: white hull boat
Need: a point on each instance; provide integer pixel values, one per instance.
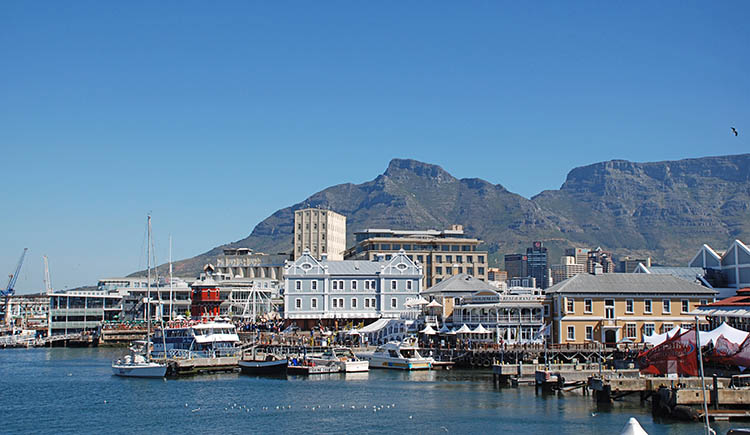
(344, 358)
(138, 367)
(400, 356)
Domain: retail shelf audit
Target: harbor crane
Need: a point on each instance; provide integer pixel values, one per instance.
(10, 290)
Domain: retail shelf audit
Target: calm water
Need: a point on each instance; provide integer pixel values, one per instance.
(64, 391)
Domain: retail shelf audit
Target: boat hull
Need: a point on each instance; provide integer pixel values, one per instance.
(277, 368)
(345, 366)
(400, 364)
(148, 370)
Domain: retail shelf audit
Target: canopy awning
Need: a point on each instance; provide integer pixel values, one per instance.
(464, 330)
(428, 330)
(480, 330)
(434, 304)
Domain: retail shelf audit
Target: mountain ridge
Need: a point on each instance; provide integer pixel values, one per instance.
(665, 209)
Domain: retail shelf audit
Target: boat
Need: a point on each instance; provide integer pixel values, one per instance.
(268, 364)
(402, 355)
(199, 340)
(344, 358)
(140, 365)
(308, 367)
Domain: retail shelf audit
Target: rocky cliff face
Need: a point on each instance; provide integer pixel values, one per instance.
(662, 209)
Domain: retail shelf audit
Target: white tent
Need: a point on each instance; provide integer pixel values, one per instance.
(464, 330)
(416, 302)
(428, 330)
(480, 330)
(734, 335)
(657, 339)
(434, 304)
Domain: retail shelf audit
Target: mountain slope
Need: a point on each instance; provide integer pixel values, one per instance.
(663, 209)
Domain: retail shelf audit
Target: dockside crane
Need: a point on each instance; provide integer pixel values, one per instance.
(10, 289)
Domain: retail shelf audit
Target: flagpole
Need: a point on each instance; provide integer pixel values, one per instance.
(703, 378)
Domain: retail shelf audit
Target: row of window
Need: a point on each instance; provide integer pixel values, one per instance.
(339, 303)
(408, 247)
(338, 284)
(449, 270)
(609, 306)
(631, 330)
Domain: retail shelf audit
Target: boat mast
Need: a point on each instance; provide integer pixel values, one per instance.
(171, 297)
(148, 291)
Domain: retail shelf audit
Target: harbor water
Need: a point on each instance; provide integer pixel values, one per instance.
(56, 391)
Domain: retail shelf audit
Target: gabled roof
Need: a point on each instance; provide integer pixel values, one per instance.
(742, 299)
(621, 283)
(687, 273)
(353, 267)
(461, 284)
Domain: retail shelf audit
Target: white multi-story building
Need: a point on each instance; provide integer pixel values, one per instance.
(320, 232)
(325, 290)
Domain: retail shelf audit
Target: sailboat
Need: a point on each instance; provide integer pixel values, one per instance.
(137, 365)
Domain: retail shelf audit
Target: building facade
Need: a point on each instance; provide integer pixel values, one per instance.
(628, 264)
(244, 263)
(730, 268)
(608, 308)
(78, 311)
(567, 268)
(320, 232)
(516, 265)
(441, 254)
(538, 264)
(329, 291)
(601, 258)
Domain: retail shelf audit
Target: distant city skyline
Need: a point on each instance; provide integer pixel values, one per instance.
(212, 117)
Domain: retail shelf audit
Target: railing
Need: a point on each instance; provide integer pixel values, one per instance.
(458, 318)
(184, 354)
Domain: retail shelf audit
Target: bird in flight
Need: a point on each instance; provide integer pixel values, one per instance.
(734, 130)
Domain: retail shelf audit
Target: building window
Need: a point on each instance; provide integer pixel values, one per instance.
(449, 259)
(704, 301)
(439, 270)
(314, 302)
(570, 305)
(298, 285)
(354, 285)
(459, 259)
(372, 303)
(630, 330)
(470, 271)
(648, 329)
(469, 259)
(354, 302)
(334, 285)
(546, 311)
(393, 284)
(420, 258)
(609, 309)
(438, 259)
(367, 302)
(393, 302)
(685, 306)
(629, 306)
(341, 285)
(587, 306)
(571, 333)
(298, 303)
(367, 285)
(314, 285)
(589, 333)
(666, 306)
(408, 285)
(480, 258)
(666, 327)
(647, 306)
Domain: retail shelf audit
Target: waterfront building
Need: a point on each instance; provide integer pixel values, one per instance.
(729, 269)
(516, 265)
(329, 291)
(320, 232)
(538, 264)
(27, 311)
(82, 310)
(734, 310)
(567, 268)
(244, 263)
(441, 254)
(608, 308)
(514, 316)
(215, 295)
(628, 264)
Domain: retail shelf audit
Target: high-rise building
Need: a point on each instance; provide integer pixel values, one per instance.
(538, 264)
(441, 253)
(602, 258)
(628, 265)
(495, 274)
(567, 268)
(516, 266)
(320, 232)
(581, 256)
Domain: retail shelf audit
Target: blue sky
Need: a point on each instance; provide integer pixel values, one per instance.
(212, 115)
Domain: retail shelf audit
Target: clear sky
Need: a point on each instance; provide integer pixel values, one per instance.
(213, 115)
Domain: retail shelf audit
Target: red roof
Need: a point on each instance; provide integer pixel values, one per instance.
(742, 299)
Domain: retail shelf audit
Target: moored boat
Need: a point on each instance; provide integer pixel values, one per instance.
(402, 355)
(266, 364)
(344, 358)
(136, 366)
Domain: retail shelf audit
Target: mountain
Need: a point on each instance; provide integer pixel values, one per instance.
(666, 210)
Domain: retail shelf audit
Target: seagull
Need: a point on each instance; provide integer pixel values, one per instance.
(444, 428)
(734, 130)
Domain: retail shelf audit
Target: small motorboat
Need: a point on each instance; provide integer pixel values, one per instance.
(137, 366)
(402, 355)
(309, 367)
(344, 358)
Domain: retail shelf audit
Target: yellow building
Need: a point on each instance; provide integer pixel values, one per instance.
(610, 307)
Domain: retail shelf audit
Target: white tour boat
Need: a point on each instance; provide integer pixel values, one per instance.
(200, 340)
(344, 358)
(402, 355)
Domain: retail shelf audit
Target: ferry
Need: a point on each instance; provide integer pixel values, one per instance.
(344, 358)
(402, 355)
(200, 340)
